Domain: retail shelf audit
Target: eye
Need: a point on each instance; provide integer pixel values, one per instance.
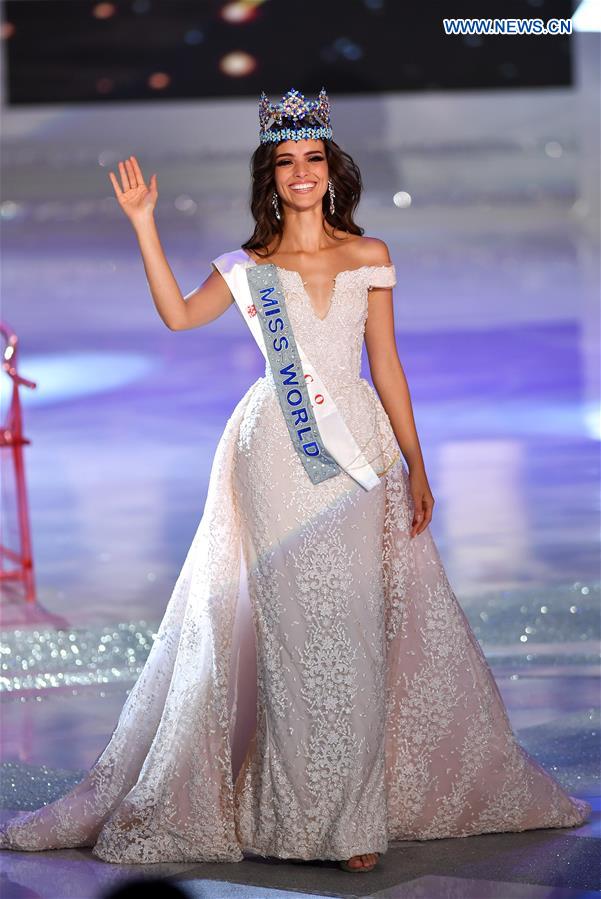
(316, 158)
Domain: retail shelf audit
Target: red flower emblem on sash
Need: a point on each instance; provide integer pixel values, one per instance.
(252, 310)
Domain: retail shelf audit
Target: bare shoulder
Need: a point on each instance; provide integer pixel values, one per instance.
(371, 251)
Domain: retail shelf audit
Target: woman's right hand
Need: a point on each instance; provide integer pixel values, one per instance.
(136, 199)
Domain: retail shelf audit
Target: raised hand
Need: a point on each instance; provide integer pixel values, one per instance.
(136, 199)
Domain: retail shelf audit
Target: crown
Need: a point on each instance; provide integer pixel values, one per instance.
(292, 107)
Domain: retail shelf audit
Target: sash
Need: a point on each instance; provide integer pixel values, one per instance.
(282, 354)
(334, 435)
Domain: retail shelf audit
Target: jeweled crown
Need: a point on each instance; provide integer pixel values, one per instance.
(279, 121)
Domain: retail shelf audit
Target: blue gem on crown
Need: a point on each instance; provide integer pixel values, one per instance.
(292, 107)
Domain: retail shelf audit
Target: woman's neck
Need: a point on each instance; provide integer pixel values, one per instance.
(305, 233)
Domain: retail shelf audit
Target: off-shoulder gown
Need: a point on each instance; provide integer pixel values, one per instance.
(314, 690)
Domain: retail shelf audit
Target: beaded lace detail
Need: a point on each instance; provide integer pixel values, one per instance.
(334, 342)
(315, 689)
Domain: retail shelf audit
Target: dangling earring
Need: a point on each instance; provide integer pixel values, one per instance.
(275, 204)
(332, 195)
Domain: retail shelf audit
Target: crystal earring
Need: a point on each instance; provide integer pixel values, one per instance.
(275, 204)
(332, 196)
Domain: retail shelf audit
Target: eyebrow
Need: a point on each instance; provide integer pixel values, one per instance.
(307, 153)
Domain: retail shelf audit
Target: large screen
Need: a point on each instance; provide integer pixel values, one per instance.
(75, 51)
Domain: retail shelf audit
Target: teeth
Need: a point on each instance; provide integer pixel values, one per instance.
(302, 186)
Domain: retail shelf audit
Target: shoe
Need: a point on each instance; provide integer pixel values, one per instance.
(363, 869)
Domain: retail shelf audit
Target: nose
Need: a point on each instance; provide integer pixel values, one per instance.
(300, 169)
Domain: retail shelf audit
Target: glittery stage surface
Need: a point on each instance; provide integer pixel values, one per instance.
(497, 318)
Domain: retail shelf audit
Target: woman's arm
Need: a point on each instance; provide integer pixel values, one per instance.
(392, 388)
(202, 305)
(388, 375)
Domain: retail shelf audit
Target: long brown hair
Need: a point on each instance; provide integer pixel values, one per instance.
(344, 174)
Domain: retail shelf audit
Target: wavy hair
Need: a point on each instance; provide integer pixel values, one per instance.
(345, 176)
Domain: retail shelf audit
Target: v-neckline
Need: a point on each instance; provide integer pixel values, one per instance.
(293, 271)
(306, 292)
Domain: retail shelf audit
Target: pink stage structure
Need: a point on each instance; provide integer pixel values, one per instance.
(16, 563)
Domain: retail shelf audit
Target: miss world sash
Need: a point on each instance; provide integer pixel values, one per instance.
(282, 354)
(317, 430)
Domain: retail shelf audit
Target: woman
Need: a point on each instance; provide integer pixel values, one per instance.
(315, 691)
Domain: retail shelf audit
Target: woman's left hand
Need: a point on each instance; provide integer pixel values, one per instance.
(423, 501)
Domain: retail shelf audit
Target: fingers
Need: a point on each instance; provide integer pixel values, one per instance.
(415, 525)
(115, 183)
(429, 507)
(422, 516)
(128, 174)
(124, 176)
(131, 176)
(137, 170)
(133, 181)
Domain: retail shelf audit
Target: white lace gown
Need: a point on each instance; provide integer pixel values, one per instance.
(315, 690)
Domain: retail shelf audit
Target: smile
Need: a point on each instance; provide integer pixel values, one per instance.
(305, 186)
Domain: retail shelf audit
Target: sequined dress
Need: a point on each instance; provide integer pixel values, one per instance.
(314, 690)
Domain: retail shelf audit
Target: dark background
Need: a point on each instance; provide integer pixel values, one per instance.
(62, 51)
